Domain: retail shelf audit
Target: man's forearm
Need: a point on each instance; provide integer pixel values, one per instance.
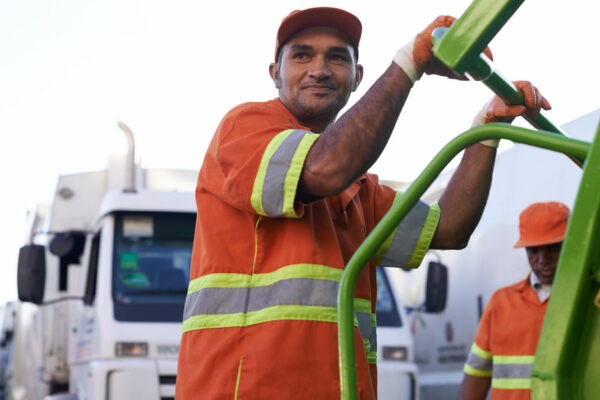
(464, 199)
(348, 147)
(474, 388)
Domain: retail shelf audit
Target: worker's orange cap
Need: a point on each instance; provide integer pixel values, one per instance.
(298, 20)
(543, 223)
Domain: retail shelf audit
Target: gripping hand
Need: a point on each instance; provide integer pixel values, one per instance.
(417, 57)
(498, 111)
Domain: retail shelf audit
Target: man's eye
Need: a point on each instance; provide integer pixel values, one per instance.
(299, 56)
(339, 57)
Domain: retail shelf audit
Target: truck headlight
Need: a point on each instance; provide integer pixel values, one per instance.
(399, 353)
(131, 349)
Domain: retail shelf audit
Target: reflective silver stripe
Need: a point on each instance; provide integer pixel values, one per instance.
(296, 291)
(293, 291)
(479, 363)
(511, 371)
(364, 324)
(373, 339)
(406, 237)
(279, 163)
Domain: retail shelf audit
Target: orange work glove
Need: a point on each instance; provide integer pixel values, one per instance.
(417, 58)
(498, 111)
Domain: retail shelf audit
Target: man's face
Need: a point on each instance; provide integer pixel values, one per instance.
(543, 260)
(316, 73)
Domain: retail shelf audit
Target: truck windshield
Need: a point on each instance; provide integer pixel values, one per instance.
(152, 254)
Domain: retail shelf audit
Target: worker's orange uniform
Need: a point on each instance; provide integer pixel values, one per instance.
(506, 340)
(260, 316)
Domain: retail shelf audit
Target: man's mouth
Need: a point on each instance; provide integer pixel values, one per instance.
(318, 89)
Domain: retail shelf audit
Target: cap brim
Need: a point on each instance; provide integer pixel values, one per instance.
(539, 242)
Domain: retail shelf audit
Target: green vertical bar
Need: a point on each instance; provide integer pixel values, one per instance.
(567, 359)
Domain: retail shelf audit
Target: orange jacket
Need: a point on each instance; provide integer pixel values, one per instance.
(260, 316)
(506, 341)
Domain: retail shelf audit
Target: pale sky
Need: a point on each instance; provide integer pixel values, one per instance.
(70, 69)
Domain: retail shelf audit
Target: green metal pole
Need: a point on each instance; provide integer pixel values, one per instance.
(567, 358)
(460, 48)
(402, 206)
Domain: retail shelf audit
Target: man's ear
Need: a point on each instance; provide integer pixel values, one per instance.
(358, 76)
(274, 72)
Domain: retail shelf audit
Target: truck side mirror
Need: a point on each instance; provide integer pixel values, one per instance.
(68, 246)
(31, 273)
(437, 287)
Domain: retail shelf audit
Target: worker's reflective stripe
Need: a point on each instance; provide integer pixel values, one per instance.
(514, 359)
(277, 179)
(429, 227)
(362, 309)
(480, 352)
(276, 313)
(302, 291)
(412, 235)
(476, 372)
(298, 291)
(312, 271)
(512, 372)
(522, 383)
(479, 362)
(372, 351)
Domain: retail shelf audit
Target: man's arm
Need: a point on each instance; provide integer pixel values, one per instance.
(474, 388)
(464, 199)
(347, 148)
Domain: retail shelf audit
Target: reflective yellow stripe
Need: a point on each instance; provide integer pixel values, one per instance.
(477, 372)
(311, 271)
(433, 216)
(372, 357)
(275, 313)
(480, 352)
(362, 305)
(513, 359)
(511, 383)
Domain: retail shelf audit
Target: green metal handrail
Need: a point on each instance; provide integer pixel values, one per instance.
(547, 140)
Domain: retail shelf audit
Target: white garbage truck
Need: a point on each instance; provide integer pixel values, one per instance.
(102, 281)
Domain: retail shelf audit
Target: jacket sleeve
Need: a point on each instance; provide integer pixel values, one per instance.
(479, 362)
(407, 244)
(255, 160)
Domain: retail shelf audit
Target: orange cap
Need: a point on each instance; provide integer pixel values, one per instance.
(543, 223)
(298, 20)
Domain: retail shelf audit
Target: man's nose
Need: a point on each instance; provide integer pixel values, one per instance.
(544, 256)
(319, 68)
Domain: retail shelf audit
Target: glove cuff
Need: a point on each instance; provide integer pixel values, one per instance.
(480, 120)
(404, 59)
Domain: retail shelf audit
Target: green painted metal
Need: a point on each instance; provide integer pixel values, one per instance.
(472, 32)
(480, 68)
(567, 363)
(400, 208)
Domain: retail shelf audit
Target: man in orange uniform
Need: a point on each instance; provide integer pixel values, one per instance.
(284, 199)
(506, 341)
